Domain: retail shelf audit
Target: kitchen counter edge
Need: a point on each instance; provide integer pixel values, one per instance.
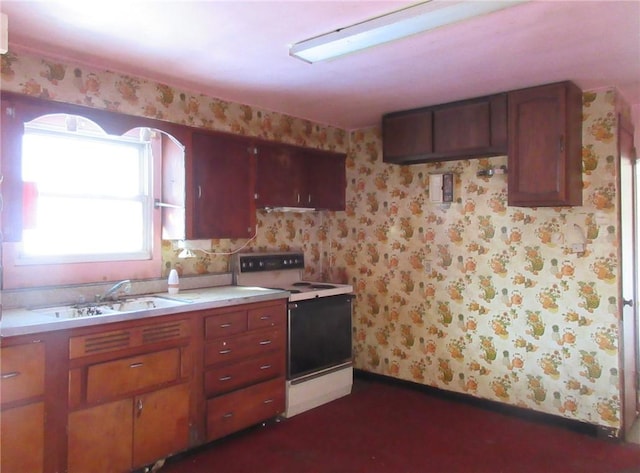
(16, 322)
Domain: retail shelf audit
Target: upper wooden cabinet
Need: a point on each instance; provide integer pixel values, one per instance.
(220, 177)
(290, 176)
(545, 142)
(465, 129)
(407, 135)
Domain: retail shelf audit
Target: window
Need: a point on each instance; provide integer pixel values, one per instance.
(87, 194)
(87, 202)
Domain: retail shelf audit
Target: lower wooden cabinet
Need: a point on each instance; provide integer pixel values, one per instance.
(244, 408)
(119, 397)
(121, 435)
(244, 367)
(22, 420)
(101, 436)
(22, 439)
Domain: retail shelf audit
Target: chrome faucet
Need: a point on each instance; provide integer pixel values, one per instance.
(114, 291)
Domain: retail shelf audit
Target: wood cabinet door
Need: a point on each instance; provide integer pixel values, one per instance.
(100, 438)
(22, 439)
(474, 126)
(223, 187)
(161, 424)
(406, 134)
(325, 180)
(278, 176)
(545, 163)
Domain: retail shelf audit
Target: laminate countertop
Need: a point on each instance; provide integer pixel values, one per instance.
(25, 321)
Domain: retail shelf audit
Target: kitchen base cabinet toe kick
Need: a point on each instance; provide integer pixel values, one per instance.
(124, 396)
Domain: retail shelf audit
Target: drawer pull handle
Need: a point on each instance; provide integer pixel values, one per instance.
(224, 378)
(227, 325)
(135, 365)
(265, 317)
(265, 342)
(139, 407)
(265, 367)
(267, 401)
(225, 352)
(12, 374)
(228, 415)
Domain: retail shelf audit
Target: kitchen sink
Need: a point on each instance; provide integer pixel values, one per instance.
(134, 304)
(144, 303)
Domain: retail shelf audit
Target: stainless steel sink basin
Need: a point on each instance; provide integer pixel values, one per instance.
(134, 304)
(143, 303)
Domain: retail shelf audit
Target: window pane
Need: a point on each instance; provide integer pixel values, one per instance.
(85, 226)
(77, 165)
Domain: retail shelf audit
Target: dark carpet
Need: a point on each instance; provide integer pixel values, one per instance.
(386, 428)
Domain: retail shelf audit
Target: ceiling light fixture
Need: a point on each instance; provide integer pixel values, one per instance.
(423, 16)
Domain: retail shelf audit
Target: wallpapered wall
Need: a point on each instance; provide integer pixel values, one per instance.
(473, 297)
(481, 298)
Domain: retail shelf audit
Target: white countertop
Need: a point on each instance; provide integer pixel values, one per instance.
(24, 321)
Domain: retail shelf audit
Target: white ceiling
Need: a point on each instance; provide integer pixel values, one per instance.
(238, 51)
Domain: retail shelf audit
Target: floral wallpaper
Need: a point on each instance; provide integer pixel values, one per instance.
(473, 297)
(480, 298)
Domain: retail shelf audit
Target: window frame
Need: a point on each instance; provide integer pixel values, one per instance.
(18, 109)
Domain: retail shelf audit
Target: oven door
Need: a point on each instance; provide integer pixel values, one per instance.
(319, 335)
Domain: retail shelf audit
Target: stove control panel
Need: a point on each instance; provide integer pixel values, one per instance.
(248, 263)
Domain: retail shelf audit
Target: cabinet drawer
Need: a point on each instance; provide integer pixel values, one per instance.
(22, 372)
(270, 316)
(224, 325)
(115, 378)
(243, 346)
(243, 408)
(237, 375)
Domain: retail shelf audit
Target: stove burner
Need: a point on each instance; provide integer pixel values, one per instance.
(301, 283)
(322, 286)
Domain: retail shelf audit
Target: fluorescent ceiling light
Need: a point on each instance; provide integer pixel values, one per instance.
(399, 24)
(4, 33)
